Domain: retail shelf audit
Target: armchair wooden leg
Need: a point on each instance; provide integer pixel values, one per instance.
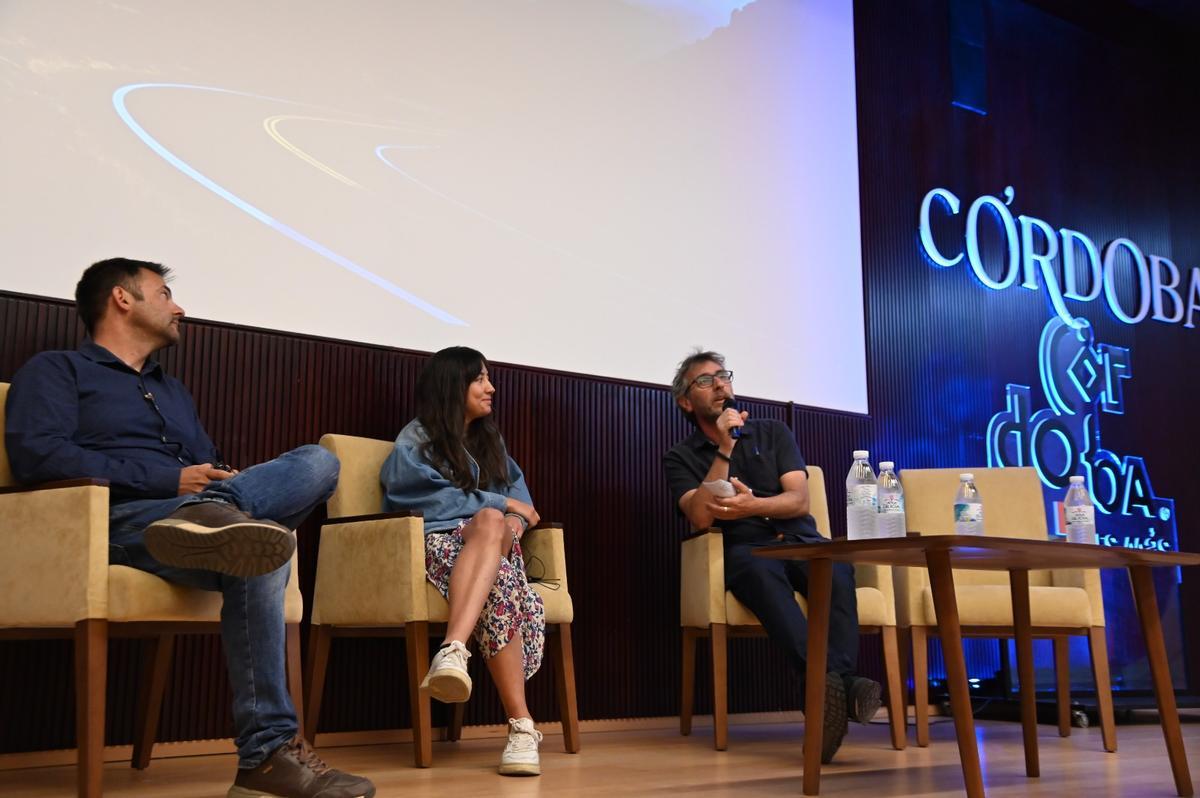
(1062, 683)
(454, 722)
(320, 637)
(564, 683)
(1098, 647)
(91, 676)
(295, 672)
(920, 655)
(156, 665)
(895, 693)
(688, 697)
(416, 647)
(904, 636)
(718, 638)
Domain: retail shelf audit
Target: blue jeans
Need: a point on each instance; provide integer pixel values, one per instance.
(285, 490)
(766, 586)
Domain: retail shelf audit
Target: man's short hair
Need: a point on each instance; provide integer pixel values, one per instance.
(99, 279)
(679, 385)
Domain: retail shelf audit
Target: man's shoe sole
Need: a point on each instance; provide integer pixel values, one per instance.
(867, 700)
(448, 685)
(243, 549)
(521, 769)
(241, 792)
(834, 729)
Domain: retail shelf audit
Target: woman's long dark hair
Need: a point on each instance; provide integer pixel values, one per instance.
(441, 409)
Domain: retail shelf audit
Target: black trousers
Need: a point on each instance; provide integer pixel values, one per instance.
(766, 587)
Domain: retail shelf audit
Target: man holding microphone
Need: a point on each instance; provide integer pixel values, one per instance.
(747, 477)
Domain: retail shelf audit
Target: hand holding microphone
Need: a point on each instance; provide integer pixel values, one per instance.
(733, 419)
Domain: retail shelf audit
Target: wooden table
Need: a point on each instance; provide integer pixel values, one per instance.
(941, 554)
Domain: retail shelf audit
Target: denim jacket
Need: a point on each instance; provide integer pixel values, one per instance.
(410, 482)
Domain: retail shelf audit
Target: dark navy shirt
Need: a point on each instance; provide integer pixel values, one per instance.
(765, 452)
(87, 414)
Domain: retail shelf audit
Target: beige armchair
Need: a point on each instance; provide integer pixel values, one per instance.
(707, 609)
(371, 582)
(55, 581)
(1062, 602)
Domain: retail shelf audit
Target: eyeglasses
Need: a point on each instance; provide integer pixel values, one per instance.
(707, 380)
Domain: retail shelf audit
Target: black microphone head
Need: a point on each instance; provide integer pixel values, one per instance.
(729, 404)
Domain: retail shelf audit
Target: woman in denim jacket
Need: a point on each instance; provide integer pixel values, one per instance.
(451, 463)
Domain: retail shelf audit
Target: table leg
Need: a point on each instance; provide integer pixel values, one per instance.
(820, 589)
(1023, 632)
(941, 580)
(1164, 692)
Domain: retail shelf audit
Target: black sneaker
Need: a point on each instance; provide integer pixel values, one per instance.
(295, 771)
(863, 698)
(216, 536)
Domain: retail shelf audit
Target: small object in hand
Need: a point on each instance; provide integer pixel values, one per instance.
(720, 488)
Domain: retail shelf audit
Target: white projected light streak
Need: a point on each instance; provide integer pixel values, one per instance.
(275, 224)
(594, 186)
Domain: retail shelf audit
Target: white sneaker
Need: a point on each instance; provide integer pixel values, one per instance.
(520, 757)
(447, 679)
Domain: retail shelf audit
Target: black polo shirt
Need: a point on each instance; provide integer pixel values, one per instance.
(765, 452)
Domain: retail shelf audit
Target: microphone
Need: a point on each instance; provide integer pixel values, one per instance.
(734, 432)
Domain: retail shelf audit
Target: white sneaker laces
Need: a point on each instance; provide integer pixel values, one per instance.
(454, 655)
(522, 736)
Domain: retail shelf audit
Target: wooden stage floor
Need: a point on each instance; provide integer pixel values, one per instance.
(762, 760)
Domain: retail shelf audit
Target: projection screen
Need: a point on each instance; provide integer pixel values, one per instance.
(595, 186)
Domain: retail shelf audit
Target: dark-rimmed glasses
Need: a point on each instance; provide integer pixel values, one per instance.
(707, 380)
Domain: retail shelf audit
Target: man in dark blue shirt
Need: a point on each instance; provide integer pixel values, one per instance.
(769, 504)
(108, 411)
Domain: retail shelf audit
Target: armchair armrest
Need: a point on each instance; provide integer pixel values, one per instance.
(544, 543)
(371, 570)
(702, 580)
(1089, 580)
(880, 578)
(63, 483)
(57, 539)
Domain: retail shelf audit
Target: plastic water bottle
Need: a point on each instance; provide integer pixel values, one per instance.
(860, 498)
(1081, 514)
(890, 494)
(968, 507)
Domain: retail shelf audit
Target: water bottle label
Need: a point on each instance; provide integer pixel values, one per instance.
(969, 513)
(1081, 514)
(860, 495)
(891, 503)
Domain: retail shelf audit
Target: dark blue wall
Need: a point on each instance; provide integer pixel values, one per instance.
(1092, 135)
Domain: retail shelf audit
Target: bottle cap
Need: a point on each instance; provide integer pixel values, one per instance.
(861, 454)
(966, 477)
(886, 465)
(1076, 480)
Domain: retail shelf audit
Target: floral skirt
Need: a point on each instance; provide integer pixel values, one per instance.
(512, 606)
